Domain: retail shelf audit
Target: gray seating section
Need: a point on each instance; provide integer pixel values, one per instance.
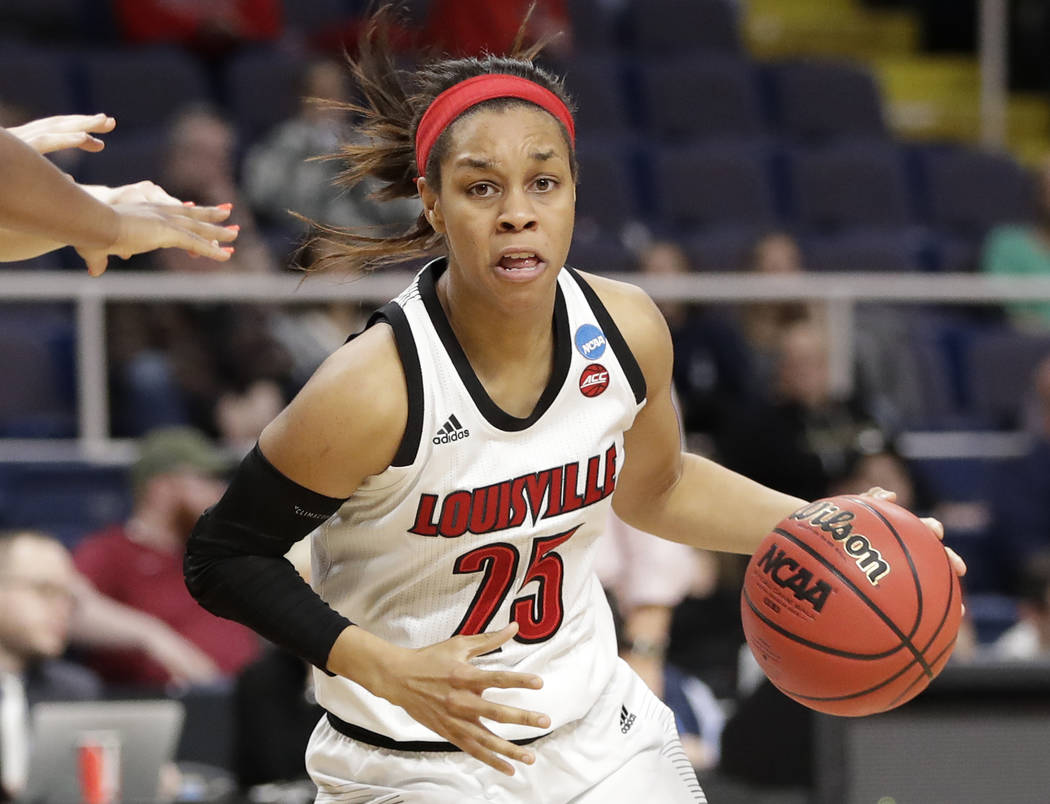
(706, 97)
(143, 88)
(661, 27)
(700, 186)
(851, 184)
(818, 101)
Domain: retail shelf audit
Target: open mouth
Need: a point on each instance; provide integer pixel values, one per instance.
(520, 261)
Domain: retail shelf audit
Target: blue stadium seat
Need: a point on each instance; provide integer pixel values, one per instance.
(852, 184)
(822, 101)
(37, 81)
(992, 614)
(968, 191)
(43, 17)
(954, 252)
(942, 342)
(702, 97)
(606, 195)
(709, 185)
(310, 16)
(890, 250)
(596, 84)
(36, 353)
(595, 25)
(661, 27)
(600, 253)
(69, 500)
(1000, 373)
(722, 248)
(261, 87)
(143, 88)
(127, 158)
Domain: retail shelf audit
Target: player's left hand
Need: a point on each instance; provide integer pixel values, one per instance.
(141, 192)
(146, 226)
(65, 131)
(933, 524)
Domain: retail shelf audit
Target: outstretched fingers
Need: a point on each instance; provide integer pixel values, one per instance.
(60, 132)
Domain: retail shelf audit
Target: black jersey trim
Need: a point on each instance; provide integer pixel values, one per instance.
(393, 315)
(364, 735)
(492, 412)
(613, 335)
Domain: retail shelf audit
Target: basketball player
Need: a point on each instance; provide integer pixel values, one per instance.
(457, 460)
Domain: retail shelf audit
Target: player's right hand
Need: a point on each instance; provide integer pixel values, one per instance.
(440, 688)
(65, 131)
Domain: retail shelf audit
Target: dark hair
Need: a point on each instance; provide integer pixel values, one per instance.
(393, 101)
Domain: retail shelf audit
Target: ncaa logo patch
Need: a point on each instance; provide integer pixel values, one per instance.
(590, 341)
(594, 379)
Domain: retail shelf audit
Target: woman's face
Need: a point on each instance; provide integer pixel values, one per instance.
(506, 203)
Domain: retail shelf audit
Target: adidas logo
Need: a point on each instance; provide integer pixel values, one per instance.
(626, 720)
(451, 430)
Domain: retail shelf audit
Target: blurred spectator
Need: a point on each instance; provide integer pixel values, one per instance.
(875, 461)
(473, 27)
(1024, 250)
(774, 254)
(712, 364)
(216, 366)
(280, 173)
(139, 564)
(1029, 638)
(212, 27)
(802, 439)
(645, 578)
(199, 166)
(37, 583)
(1019, 492)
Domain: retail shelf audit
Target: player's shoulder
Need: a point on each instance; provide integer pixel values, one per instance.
(636, 316)
(347, 422)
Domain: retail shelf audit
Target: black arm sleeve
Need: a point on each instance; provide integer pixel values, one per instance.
(235, 567)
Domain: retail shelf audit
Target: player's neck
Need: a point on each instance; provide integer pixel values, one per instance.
(493, 339)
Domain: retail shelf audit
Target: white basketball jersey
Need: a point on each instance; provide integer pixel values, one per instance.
(484, 517)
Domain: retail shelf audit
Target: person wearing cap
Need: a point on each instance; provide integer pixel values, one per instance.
(138, 564)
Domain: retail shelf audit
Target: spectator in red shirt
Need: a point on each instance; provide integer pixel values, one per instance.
(207, 25)
(139, 563)
(473, 27)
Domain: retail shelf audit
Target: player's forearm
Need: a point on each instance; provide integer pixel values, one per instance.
(363, 657)
(16, 245)
(38, 200)
(710, 507)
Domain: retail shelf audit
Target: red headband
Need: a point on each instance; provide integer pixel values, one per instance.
(455, 100)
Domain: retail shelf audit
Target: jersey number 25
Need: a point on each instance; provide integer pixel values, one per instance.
(539, 614)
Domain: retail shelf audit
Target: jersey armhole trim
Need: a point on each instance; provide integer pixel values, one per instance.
(393, 315)
(613, 335)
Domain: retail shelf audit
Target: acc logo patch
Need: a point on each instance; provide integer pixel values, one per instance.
(594, 379)
(590, 341)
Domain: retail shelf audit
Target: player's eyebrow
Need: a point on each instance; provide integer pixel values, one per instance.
(474, 162)
(542, 156)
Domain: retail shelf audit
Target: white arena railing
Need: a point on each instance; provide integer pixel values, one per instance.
(840, 293)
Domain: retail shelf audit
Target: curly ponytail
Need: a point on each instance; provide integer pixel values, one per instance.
(393, 101)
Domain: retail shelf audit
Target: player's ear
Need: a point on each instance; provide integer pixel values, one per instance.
(431, 206)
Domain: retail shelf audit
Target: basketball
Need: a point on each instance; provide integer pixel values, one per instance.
(850, 605)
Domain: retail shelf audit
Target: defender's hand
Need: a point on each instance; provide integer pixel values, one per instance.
(65, 131)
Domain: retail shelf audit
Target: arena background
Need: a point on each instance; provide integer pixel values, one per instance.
(891, 139)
